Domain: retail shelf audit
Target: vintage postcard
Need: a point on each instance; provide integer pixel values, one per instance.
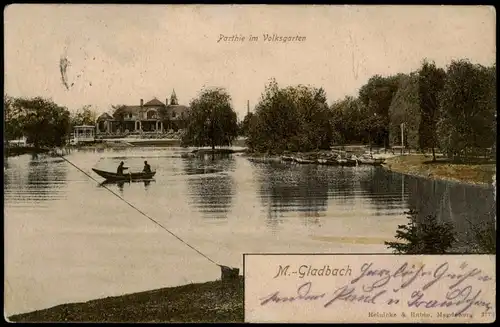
(362, 288)
(216, 163)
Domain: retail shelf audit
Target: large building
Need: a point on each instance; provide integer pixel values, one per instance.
(153, 116)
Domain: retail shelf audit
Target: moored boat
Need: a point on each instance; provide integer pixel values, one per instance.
(371, 161)
(304, 161)
(328, 162)
(347, 162)
(125, 177)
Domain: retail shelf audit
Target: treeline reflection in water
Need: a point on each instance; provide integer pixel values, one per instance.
(211, 187)
(460, 204)
(312, 190)
(34, 179)
(309, 193)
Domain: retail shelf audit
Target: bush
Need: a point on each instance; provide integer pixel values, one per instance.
(426, 237)
(485, 237)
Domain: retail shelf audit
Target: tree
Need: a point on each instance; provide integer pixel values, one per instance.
(467, 121)
(295, 118)
(430, 83)
(119, 115)
(43, 122)
(12, 115)
(485, 237)
(374, 128)
(84, 116)
(376, 95)
(164, 117)
(211, 120)
(424, 237)
(405, 109)
(346, 117)
(245, 124)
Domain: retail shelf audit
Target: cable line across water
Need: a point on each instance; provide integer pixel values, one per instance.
(140, 211)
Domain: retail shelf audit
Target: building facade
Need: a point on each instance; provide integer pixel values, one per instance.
(153, 116)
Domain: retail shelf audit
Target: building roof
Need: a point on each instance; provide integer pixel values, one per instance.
(154, 102)
(127, 109)
(180, 110)
(104, 116)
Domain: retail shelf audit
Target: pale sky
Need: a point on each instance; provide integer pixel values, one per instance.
(122, 53)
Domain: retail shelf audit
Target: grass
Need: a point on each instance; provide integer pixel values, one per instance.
(479, 173)
(215, 301)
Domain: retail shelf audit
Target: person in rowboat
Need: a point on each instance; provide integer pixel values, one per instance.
(147, 168)
(121, 168)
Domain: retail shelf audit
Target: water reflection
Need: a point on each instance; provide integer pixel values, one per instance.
(342, 183)
(456, 203)
(210, 185)
(385, 190)
(42, 178)
(121, 184)
(286, 188)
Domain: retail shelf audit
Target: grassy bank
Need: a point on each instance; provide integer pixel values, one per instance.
(443, 169)
(205, 302)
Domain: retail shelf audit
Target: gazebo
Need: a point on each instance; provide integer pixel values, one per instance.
(83, 134)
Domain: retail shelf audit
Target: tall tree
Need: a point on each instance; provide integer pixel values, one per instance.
(430, 83)
(12, 116)
(405, 109)
(295, 118)
(119, 115)
(467, 121)
(212, 120)
(84, 116)
(43, 122)
(163, 112)
(376, 95)
(245, 124)
(346, 116)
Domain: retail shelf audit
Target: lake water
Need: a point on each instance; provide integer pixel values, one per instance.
(68, 239)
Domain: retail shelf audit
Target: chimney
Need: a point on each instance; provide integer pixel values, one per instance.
(166, 101)
(142, 102)
(248, 107)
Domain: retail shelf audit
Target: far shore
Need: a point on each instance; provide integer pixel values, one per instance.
(216, 301)
(420, 165)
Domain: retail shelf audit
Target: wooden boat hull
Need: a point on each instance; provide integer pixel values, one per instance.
(347, 162)
(123, 182)
(328, 162)
(125, 177)
(372, 162)
(304, 161)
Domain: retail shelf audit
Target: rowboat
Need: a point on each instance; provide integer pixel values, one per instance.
(123, 182)
(328, 162)
(346, 162)
(125, 177)
(304, 161)
(286, 158)
(371, 161)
